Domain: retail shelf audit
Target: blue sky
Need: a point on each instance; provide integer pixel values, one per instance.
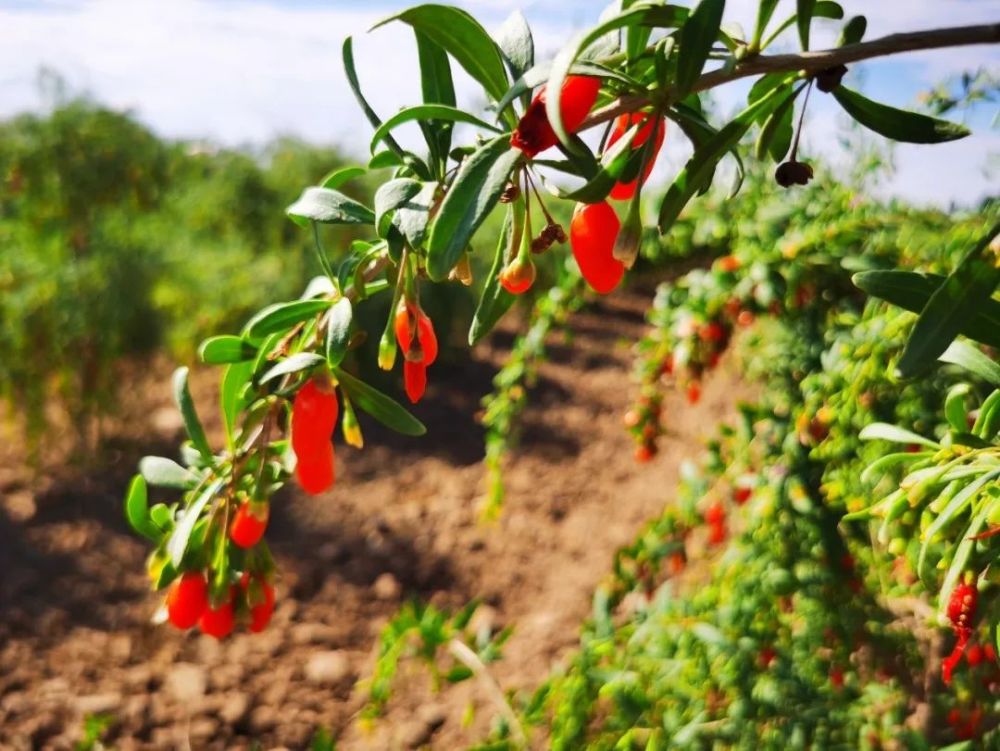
(242, 71)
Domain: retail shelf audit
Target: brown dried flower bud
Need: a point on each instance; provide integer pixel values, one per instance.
(793, 173)
(829, 79)
(510, 193)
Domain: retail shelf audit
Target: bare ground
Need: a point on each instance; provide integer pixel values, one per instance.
(402, 521)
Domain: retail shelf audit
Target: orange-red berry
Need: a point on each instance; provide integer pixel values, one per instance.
(260, 612)
(405, 317)
(518, 276)
(314, 416)
(592, 234)
(414, 380)
(218, 622)
(187, 599)
(316, 472)
(625, 191)
(693, 392)
(534, 132)
(249, 523)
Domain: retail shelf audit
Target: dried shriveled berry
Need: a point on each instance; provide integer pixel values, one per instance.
(187, 599)
(518, 276)
(534, 132)
(793, 173)
(249, 523)
(829, 79)
(592, 233)
(625, 191)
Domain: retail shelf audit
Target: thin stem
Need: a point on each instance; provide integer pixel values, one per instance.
(461, 652)
(324, 262)
(813, 62)
(802, 117)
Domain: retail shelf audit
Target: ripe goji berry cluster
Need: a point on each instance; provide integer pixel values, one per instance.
(189, 602)
(961, 613)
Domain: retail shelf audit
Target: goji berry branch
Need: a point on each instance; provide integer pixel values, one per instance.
(815, 61)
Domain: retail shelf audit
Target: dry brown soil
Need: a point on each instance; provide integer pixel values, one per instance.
(75, 637)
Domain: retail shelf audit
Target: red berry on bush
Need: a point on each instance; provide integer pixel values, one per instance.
(260, 600)
(974, 655)
(625, 191)
(218, 622)
(187, 599)
(712, 331)
(518, 276)
(406, 315)
(644, 453)
(715, 514)
(742, 493)
(745, 318)
(728, 264)
(249, 523)
(534, 132)
(961, 613)
(693, 392)
(316, 472)
(314, 416)
(414, 380)
(592, 235)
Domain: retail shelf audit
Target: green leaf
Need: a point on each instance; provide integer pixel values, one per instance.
(426, 112)
(888, 461)
(340, 176)
(961, 557)
(853, 31)
(962, 295)
(178, 543)
(988, 421)
(389, 197)
(899, 125)
(462, 37)
(281, 317)
(655, 16)
(516, 44)
(880, 431)
(383, 408)
(697, 36)
(970, 358)
(765, 9)
(338, 331)
(182, 396)
(166, 473)
(385, 160)
(954, 406)
(224, 349)
(911, 291)
(495, 300)
(438, 88)
(776, 134)
(293, 364)
(352, 80)
(328, 207)
(475, 191)
(701, 166)
(821, 9)
(803, 15)
(137, 509)
(231, 398)
(616, 163)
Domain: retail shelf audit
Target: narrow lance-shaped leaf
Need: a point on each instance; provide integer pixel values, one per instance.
(137, 509)
(231, 400)
(899, 125)
(495, 300)
(911, 291)
(424, 113)
(962, 295)
(438, 88)
(225, 349)
(328, 207)
(340, 176)
(166, 473)
(885, 432)
(293, 364)
(182, 396)
(804, 14)
(383, 408)
(516, 44)
(473, 194)
(613, 167)
(352, 81)
(338, 331)
(697, 36)
(656, 16)
(178, 543)
(701, 165)
(459, 34)
(970, 358)
(281, 317)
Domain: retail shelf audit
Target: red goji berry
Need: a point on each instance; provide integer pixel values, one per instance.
(644, 453)
(314, 416)
(218, 622)
(766, 657)
(518, 276)
(728, 264)
(712, 331)
(534, 132)
(592, 236)
(187, 600)
(745, 318)
(249, 524)
(414, 380)
(316, 472)
(715, 514)
(405, 317)
(625, 191)
(742, 493)
(961, 612)
(260, 611)
(693, 392)
(974, 655)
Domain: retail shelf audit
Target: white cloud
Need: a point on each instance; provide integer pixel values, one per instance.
(242, 70)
